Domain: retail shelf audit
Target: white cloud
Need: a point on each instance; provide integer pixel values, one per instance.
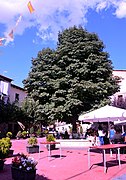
(51, 16)
(121, 10)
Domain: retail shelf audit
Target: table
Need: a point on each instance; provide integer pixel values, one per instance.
(103, 148)
(49, 143)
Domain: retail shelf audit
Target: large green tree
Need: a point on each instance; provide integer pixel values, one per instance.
(76, 77)
(40, 85)
(11, 113)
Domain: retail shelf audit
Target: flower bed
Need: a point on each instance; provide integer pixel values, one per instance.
(23, 168)
(18, 174)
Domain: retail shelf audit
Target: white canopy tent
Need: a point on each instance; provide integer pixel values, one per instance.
(122, 123)
(104, 114)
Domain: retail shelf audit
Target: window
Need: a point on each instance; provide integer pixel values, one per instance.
(16, 97)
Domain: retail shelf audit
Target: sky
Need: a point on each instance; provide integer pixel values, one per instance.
(37, 30)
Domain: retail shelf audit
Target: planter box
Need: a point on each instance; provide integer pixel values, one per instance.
(18, 174)
(32, 149)
(1, 164)
(11, 151)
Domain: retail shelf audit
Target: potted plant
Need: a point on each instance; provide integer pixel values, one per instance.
(50, 138)
(32, 132)
(8, 141)
(24, 134)
(9, 134)
(10, 145)
(45, 132)
(38, 132)
(5, 145)
(23, 168)
(32, 145)
(19, 135)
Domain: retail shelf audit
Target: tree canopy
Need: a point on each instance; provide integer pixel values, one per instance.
(11, 113)
(74, 78)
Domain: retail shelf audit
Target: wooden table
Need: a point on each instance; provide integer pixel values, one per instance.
(49, 143)
(103, 148)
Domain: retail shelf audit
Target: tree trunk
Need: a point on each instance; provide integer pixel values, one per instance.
(74, 125)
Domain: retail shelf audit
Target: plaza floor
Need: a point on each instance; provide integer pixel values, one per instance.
(73, 164)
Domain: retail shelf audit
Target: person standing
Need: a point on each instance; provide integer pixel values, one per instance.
(101, 135)
(117, 138)
(57, 135)
(66, 135)
(111, 133)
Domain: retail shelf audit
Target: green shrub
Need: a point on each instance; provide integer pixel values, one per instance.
(50, 138)
(9, 134)
(5, 145)
(31, 130)
(24, 134)
(32, 141)
(38, 132)
(8, 141)
(46, 132)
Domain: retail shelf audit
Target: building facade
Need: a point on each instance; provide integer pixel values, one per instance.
(119, 98)
(10, 92)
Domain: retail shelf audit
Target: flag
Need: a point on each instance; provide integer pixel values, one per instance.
(1, 39)
(19, 19)
(1, 43)
(21, 125)
(11, 34)
(30, 7)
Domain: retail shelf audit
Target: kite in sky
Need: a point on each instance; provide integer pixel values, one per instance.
(30, 7)
(11, 34)
(1, 41)
(19, 19)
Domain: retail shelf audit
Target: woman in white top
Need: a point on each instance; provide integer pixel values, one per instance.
(101, 135)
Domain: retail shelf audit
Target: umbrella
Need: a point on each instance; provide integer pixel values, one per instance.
(103, 114)
(120, 122)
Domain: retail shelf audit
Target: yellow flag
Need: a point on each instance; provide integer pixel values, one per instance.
(30, 7)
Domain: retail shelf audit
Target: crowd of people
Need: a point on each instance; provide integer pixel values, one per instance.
(97, 136)
(102, 136)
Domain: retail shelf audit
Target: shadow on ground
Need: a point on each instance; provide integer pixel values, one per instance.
(109, 164)
(5, 174)
(38, 177)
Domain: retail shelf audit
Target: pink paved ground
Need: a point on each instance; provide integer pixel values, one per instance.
(72, 166)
